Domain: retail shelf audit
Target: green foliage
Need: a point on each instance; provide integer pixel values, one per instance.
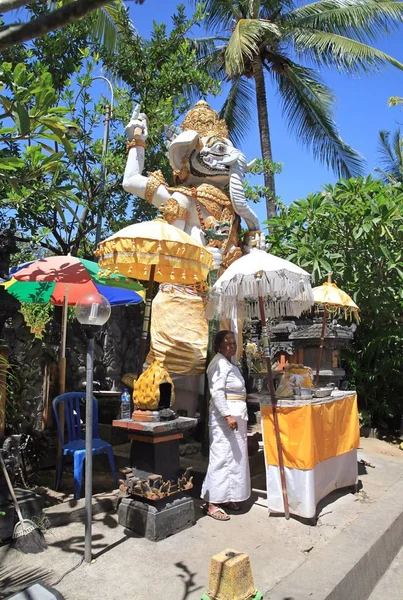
(162, 74)
(60, 181)
(355, 230)
(280, 38)
(256, 193)
(36, 316)
(391, 155)
(395, 101)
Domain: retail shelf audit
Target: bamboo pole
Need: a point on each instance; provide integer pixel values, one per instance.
(321, 345)
(62, 376)
(213, 327)
(274, 408)
(146, 322)
(3, 389)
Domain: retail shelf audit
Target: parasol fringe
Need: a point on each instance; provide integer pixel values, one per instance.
(284, 294)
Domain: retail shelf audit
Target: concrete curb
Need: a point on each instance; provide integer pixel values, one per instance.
(74, 510)
(372, 540)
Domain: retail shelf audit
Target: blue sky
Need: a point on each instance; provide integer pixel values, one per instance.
(361, 111)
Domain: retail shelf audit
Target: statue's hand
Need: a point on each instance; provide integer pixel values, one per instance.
(137, 127)
(217, 256)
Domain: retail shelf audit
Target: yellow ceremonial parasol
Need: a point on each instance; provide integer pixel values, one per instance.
(154, 251)
(334, 301)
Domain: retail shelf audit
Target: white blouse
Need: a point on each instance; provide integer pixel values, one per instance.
(225, 380)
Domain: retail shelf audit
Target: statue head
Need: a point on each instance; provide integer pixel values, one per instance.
(202, 152)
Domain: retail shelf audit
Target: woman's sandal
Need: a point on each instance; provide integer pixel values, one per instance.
(214, 511)
(232, 506)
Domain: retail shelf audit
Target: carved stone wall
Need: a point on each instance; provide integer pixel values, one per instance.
(115, 352)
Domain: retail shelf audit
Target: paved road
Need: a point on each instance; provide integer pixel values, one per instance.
(390, 587)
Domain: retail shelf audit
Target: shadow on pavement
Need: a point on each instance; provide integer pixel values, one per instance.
(187, 579)
(17, 578)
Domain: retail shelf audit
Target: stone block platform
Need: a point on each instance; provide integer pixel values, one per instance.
(158, 520)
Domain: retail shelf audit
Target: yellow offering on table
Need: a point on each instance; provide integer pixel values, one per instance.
(150, 385)
(294, 377)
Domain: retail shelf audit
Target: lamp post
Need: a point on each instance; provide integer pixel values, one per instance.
(108, 118)
(92, 311)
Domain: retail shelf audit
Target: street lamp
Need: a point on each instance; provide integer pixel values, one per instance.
(108, 118)
(92, 311)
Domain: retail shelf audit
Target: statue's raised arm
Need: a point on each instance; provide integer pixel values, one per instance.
(204, 163)
(133, 180)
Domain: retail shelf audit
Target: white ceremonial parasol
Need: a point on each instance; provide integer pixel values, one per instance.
(256, 283)
(285, 288)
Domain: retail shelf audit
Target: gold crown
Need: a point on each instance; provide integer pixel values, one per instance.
(203, 119)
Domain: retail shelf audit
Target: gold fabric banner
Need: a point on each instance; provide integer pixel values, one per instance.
(311, 434)
(179, 332)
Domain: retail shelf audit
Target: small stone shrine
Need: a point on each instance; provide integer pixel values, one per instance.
(297, 342)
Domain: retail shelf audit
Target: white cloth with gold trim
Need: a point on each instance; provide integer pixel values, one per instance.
(227, 478)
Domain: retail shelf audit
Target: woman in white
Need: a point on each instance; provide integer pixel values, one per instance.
(227, 481)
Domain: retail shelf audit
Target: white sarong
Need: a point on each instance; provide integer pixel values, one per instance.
(227, 478)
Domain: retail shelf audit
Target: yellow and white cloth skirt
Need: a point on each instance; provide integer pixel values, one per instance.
(319, 442)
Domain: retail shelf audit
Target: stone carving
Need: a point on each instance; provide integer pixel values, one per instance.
(204, 163)
(154, 487)
(8, 304)
(30, 356)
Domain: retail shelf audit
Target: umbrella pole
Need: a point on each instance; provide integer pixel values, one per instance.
(213, 327)
(274, 408)
(62, 375)
(322, 341)
(146, 322)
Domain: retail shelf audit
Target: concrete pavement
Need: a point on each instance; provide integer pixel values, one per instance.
(177, 568)
(390, 586)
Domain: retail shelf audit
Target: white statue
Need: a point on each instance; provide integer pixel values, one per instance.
(204, 162)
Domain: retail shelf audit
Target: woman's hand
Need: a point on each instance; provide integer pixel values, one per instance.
(232, 423)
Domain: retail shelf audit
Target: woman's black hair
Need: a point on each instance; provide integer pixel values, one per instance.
(219, 338)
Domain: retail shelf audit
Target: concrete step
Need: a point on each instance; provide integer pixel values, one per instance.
(390, 586)
(350, 567)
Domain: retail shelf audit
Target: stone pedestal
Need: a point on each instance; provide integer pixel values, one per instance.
(155, 446)
(158, 520)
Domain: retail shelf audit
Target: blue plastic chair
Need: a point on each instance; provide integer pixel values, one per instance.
(75, 444)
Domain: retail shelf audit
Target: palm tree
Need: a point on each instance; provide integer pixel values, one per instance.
(391, 155)
(104, 28)
(256, 37)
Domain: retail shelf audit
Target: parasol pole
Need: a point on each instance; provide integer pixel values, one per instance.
(274, 407)
(62, 376)
(146, 322)
(213, 327)
(62, 358)
(322, 336)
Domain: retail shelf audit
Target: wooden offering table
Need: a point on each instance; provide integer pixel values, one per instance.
(319, 438)
(155, 445)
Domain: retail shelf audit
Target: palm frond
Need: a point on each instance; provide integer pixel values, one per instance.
(245, 41)
(211, 55)
(342, 53)
(237, 109)
(307, 105)
(107, 25)
(253, 9)
(364, 20)
(390, 150)
(221, 14)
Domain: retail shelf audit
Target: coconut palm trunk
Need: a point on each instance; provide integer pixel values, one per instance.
(257, 37)
(264, 133)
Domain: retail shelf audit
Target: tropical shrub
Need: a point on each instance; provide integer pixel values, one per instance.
(355, 230)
